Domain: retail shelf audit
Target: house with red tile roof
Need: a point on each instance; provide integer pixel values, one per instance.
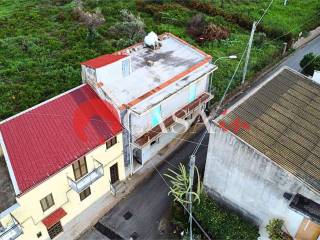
(60, 157)
(152, 87)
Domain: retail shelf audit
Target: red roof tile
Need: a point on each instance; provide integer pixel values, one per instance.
(103, 60)
(43, 140)
(54, 217)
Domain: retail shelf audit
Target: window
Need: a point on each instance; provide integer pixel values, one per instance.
(85, 193)
(154, 142)
(192, 92)
(126, 68)
(80, 168)
(156, 116)
(111, 142)
(47, 202)
(114, 173)
(55, 230)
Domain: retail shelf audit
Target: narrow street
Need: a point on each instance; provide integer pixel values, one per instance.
(141, 215)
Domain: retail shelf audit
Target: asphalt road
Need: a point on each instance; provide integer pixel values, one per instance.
(293, 60)
(149, 203)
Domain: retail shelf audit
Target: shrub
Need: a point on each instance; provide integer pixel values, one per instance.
(202, 31)
(274, 229)
(130, 28)
(213, 32)
(90, 20)
(309, 63)
(218, 222)
(196, 26)
(259, 38)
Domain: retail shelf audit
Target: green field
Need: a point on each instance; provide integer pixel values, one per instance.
(41, 46)
(297, 16)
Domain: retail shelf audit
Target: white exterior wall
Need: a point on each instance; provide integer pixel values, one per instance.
(151, 150)
(243, 178)
(111, 72)
(170, 105)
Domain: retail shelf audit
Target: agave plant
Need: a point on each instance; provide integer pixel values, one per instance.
(180, 188)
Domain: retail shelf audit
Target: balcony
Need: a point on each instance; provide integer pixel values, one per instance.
(169, 122)
(12, 231)
(88, 179)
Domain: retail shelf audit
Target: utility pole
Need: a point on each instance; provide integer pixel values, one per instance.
(191, 175)
(254, 25)
(285, 2)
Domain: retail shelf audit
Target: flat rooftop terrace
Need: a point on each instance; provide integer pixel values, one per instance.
(174, 60)
(7, 194)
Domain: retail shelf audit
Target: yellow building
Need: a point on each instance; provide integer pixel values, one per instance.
(60, 157)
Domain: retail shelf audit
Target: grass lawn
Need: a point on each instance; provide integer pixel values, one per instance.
(41, 46)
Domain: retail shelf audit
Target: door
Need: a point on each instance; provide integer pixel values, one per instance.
(114, 174)
(308, 230)
(55, 230)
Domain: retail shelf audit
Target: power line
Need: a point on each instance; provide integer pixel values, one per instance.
(195, 220)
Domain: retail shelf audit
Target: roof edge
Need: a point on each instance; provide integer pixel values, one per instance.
(9, 166)
(64, 167)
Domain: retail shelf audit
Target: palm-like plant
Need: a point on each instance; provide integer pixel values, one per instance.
(180, 188)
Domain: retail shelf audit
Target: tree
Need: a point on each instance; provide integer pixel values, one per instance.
(180, 185)
(309, 63)
(90, 20)
(130, 29)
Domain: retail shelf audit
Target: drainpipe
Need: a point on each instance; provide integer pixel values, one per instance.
(128, 129)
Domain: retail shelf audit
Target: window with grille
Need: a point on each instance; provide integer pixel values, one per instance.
(47, 202)
(80, 168)
(111, 142)
(55, 230)
(85, 193)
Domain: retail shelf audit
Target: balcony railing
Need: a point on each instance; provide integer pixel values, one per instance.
(12, 231)
(169, 122)
(87, 180)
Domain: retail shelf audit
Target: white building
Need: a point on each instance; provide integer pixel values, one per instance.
(264, 154)
(148, 85)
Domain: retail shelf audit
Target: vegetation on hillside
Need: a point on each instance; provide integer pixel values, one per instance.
(43, 42)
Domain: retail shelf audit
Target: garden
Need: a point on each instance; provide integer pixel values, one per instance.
(43, 42)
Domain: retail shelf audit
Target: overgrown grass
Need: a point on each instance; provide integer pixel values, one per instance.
(297, 16)
(42, 45)
(219, 222)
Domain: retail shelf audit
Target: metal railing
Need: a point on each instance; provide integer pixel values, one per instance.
(12, 231)
(87, 180)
